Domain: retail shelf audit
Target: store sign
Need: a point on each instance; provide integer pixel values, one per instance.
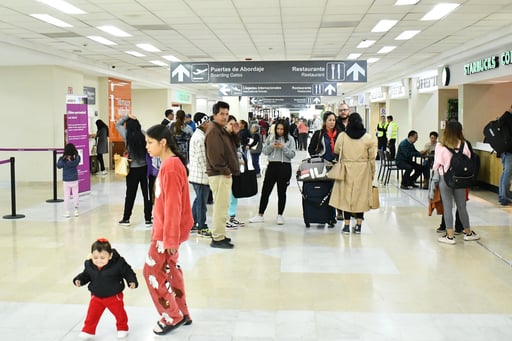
(427, 83)
(485, 64)
(396, 91)
(488, 63)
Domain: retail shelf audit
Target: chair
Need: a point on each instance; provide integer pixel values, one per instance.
(390, 166)
(382, 167)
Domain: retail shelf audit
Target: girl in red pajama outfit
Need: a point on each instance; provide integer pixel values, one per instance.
(104, 272)
(172, 221)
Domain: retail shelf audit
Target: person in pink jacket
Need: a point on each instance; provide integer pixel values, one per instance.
(172, 221)
(452, 138)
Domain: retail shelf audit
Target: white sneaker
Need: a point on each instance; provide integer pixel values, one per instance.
(280, 220)
(257, 219)
(230, 225)
(447, 240)
(121, 334)
(86, 336)
(472, 236)
(66, 214)
(76, 212)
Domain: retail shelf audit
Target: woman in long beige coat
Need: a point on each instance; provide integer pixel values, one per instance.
(357, 151)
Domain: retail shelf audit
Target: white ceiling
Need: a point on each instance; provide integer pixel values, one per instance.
(232, 30)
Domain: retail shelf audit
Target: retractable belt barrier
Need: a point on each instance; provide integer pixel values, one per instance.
(13, 214)
(13, 189)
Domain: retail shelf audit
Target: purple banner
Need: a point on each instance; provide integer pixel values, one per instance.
(76, 131)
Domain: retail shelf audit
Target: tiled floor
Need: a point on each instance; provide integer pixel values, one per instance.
(392, 282)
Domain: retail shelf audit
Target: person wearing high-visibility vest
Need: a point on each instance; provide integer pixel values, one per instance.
(382, 127)
(392, 134)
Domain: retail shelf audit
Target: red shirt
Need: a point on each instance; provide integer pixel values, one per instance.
(172, 214)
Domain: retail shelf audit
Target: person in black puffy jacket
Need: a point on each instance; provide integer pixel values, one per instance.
(104, 271)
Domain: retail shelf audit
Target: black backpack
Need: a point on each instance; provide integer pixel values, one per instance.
(497, 134)
(462, 169)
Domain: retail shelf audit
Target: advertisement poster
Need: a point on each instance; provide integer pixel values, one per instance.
(76, 131)
(119, 104)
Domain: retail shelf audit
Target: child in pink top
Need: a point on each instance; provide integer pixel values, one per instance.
(172, 221)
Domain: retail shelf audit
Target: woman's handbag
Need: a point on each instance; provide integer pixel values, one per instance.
(375, 198)
(122, 166)
(245, 185)
(337, 172)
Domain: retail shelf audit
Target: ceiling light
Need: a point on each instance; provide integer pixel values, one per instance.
(63, 6)
(440, 11)
(365, 43)
(384, 25)
(386, 49)
(51, 20)
(406, 35)
(135, 53)
(159, 62)
(114, 31)
(171, 58)
(148, 47)
(353, 56)
(101, 40)
(406, 2)
(372, 60)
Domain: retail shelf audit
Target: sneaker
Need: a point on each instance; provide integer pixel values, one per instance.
(124, 222)
(231, 226)
(102, 172)
(346, 229)
(66, 214)
(148, 223)
(357, 229)
(194, 229)
(76, 212)
(236, 222)
(86, 336)
(257, 219)
(447, 240)
(441, 229)
(280, 220)
(221, 244)
(121, 334)
(188, 320)
(403, 187)
(472, 236)
(339, 216)
(205, 233)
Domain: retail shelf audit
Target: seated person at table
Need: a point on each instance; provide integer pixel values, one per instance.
(404, 160)
(429, 149)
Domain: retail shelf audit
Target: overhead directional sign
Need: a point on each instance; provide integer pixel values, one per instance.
(294, 102)
(278, 89)
(317, 71)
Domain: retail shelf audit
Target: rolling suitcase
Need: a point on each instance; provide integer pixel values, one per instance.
(315, 203)
(94, 164)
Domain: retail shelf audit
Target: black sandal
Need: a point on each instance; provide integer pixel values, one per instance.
(166, 328)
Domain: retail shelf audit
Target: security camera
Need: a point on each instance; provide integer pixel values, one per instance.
(113, 66)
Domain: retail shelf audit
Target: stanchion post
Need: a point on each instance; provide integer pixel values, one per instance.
(13, 195)
(54, 179)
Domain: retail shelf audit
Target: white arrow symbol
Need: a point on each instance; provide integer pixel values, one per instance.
(356, 70)
(316, 100)
(330, 89)
(180, 71)
(225, 89)
(253, 100)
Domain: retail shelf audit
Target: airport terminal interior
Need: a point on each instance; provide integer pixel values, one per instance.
(394, 281)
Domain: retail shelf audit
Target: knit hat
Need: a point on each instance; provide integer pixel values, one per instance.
(200, 119)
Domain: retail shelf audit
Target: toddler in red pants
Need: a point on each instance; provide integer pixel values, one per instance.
(105, 271)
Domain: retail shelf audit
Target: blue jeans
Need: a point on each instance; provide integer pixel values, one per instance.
(256, 162)
(504, 195)
(199, 205)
